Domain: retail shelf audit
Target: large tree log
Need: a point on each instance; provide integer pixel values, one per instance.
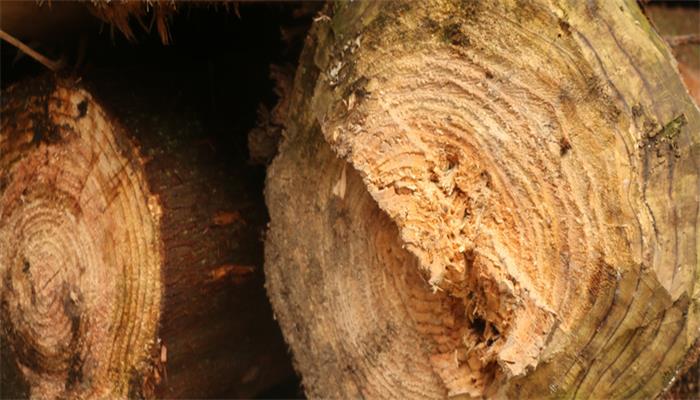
(127, 265)
(486, 198)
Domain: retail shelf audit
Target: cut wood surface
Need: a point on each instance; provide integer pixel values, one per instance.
(486, 199)
(130, 258)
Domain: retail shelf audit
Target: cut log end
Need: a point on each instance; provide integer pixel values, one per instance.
(130, 257)
(80, 260)
(504, 216)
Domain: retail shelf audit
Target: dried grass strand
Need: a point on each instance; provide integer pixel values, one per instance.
(43, 60)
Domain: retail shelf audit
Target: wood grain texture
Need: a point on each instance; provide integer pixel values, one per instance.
(130, 257)
(77, 219)
(492, 199)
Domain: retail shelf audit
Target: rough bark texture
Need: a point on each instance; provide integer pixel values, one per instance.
(486, 198)
(673, 22)
(676, 24)
(130, 259)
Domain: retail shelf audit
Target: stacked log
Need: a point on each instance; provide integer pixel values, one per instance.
(491, 199)
(130, 257)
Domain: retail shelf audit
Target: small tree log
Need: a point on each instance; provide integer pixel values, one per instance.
(129, 259)
(486, 198)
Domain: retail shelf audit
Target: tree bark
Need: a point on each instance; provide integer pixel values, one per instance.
(486, 199)
(130, 259)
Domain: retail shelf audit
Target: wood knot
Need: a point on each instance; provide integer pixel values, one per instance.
(82, 108)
